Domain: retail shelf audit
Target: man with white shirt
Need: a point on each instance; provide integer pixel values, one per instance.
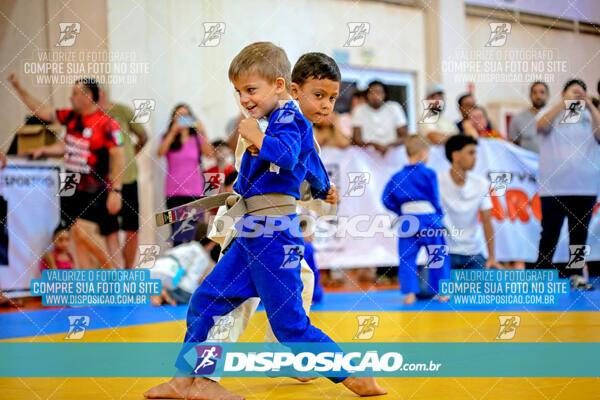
(569, 174)
(463, 196)
(379, 123)
(522, 130)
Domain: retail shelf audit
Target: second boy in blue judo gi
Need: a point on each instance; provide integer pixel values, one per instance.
(413, 191)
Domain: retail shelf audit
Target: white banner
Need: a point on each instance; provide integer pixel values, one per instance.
(361, 176)
(30, 213)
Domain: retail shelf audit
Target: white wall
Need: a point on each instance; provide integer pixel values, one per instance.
(581, 53)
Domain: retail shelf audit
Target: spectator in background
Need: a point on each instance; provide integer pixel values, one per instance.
(522, 130)
(59, 257)
(183, 144)
(466, 103)
(463, 197)
(182, 268)
(129, 214)
(345, 119)
(379, 123)
(92, 148)
(439, 131)
(478, 125)
(224, 159)
(568, 173)
(229, 181)
(329, 134)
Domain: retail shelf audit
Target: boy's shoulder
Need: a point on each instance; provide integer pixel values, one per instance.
(288, 113)
(411, 168)
(430, 171)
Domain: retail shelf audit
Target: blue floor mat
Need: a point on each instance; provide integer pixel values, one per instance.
(40, 322)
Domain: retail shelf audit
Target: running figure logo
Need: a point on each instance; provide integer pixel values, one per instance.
(213, 182)
(366, 327)
(143, 109)
(357, 33)
(207, 359)
(213, 31)
(499, 34)
(68, 33)
(221, 328)
(436, 254)
(68, 183)
(77, 326)
(148, 255)
(432, 109)
(499, 182)
(508, 326)
(357, 183)
(293, 255)
(284, 116)
(573, 110)
(186, 225)
(577, 254)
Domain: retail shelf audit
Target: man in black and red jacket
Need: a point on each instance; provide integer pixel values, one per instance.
(92, 148)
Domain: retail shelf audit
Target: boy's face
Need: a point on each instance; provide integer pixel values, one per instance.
(258, 96)
(466, 157)
(316, 98)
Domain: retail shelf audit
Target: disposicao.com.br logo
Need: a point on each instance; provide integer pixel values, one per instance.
(310, 363)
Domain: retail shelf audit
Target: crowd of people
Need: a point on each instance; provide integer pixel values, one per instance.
(102, 141)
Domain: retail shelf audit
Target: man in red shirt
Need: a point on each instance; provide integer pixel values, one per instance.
(91, 146)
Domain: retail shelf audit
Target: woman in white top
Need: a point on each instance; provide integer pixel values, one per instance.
(569, 173)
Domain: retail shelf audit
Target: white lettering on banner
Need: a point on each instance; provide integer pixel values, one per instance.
(25, 181)
(517, 228)
(78, 151)
(307, 361)
(31, 218)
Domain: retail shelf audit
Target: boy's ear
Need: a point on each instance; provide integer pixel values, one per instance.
(295, 89)
(280, 84)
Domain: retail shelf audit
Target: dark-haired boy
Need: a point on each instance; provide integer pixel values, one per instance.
(463, 196)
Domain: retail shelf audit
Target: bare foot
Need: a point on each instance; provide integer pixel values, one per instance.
(443, 299)
(365, 386)
(207, 389)
(176, 388)
(304, 379)
(410, 299)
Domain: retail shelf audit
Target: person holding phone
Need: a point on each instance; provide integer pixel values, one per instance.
(569, 134)
(183, 145)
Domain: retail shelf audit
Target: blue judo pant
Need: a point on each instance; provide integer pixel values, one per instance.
(408, 274)
(264, 266)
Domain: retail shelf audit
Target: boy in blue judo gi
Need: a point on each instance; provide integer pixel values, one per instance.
(264, 264)
(413, 194)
